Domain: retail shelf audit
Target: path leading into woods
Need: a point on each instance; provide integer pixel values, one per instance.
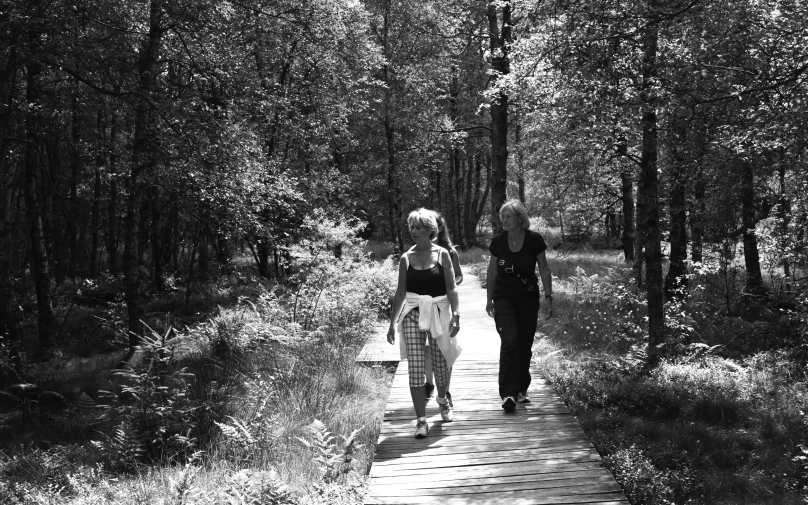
(536, 455)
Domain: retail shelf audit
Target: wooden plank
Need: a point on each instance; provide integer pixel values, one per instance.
(535, 455)
(503, 497)
(458, 479)
(377, 350)
(568, 486)
(505, 447)
(436, 462)
(498, 470)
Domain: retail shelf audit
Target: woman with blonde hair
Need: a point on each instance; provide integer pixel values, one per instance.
(425, 307)
(513, 298)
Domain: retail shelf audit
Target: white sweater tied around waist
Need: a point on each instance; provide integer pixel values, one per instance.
(434, 316)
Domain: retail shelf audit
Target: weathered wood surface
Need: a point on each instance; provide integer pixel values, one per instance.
(536, 455)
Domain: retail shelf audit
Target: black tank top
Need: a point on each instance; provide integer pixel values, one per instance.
(426, 282)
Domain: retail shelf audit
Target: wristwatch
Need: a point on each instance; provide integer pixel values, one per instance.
(548, 297)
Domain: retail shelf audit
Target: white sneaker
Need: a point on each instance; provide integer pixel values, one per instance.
(421, 429)
(446, 412)
(523, 397)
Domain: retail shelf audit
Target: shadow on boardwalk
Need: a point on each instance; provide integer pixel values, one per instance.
(535, 455)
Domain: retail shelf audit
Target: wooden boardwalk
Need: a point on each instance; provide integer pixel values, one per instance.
(535, 455)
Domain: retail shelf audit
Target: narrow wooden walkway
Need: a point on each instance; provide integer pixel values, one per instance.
(535, 455)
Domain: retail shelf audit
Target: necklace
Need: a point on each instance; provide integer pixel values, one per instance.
(516, 240)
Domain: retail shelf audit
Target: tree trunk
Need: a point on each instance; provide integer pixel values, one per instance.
(754, 278)
(628, 216)
(262, 258)
(438, 177)
(142, 146)
(448, 212)
(393, 191)
(52, 201)
(158, 255)
(112, 202)
(466, 225)
(9, 325)
(649, 187)
(784, 215)
(204, 251)
(75, 170)
(458, 191)
(500, 41)
(100, 157)
(639, 238)
(520, 161)
(170, 242)
(697, 213)
(8, 316)
(39, 258)
(676, 280)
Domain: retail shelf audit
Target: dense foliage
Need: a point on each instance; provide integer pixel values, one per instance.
(158, 155)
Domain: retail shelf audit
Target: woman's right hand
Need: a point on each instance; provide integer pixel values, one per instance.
(391, 336)
(489, 308)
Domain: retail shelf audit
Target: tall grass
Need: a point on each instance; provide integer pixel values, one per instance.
(283, 413)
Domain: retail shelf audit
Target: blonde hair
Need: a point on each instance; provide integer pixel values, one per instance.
(426, 218)
(518, 208)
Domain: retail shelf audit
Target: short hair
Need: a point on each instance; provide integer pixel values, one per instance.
(426, 218)
(518, 208)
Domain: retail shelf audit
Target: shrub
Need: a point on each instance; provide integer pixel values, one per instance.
(153, 411)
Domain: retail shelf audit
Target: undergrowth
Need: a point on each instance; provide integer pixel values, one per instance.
(722, 419)
(250, 396)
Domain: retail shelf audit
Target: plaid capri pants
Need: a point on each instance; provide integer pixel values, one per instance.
(415, 341)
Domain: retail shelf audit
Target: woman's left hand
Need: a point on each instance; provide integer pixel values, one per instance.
(454, 326)
(548, 308)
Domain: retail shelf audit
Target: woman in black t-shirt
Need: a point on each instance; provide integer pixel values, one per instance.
(513, 298)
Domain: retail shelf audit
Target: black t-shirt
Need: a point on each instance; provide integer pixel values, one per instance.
(516, 271)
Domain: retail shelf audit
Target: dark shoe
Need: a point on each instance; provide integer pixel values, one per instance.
(508, 404)
(523, 397)
(449, 397)
(429, 391)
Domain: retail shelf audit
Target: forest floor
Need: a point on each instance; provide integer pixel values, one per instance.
(247, 389)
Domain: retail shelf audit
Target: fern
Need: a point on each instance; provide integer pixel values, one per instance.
(181, 487)
(122, 449)
(247, 487)
(79, 417)
(333, 463)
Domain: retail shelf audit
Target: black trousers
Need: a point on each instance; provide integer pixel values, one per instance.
(516, 320)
